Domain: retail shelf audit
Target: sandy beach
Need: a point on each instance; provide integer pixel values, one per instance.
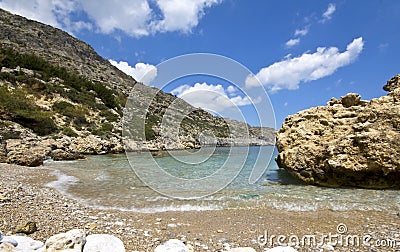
(23, 196)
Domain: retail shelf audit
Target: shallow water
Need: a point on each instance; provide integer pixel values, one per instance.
(110, 182)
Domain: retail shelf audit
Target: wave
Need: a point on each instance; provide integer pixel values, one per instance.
(63, 181)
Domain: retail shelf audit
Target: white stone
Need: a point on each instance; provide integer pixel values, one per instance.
(172, 245)
(23, 243)
(281, 249)
(9, 239)
(103, 243)
(70, 241)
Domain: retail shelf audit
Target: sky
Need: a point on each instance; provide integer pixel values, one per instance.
(300, 53)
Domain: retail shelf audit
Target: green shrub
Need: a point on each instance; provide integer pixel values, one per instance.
(69, 132)
(105, 128)
(80, 86)
(15, 106)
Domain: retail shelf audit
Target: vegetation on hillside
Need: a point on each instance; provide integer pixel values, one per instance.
(48, 80)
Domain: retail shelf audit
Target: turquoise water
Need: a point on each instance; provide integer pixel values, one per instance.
(110, 182)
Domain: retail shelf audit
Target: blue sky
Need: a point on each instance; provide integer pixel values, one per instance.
(302, 52)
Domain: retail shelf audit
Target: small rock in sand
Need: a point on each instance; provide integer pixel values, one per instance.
(27, 227)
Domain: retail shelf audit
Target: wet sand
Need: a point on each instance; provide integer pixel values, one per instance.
(23, 197)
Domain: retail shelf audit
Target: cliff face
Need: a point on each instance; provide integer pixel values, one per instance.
(349, 142)
(60, 99)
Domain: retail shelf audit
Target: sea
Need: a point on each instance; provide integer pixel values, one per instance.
(206, 179)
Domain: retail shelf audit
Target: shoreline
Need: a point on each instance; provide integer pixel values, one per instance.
(23, 196)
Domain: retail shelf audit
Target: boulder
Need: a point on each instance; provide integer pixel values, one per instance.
(26, 152)
(71, 241)
(88, 145)
(172, 245)
(349, 142)
(59, 154)
(103, 243)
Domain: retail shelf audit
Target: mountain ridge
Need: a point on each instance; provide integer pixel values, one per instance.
(71, 102)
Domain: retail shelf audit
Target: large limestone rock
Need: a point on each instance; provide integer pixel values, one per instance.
(349, 142)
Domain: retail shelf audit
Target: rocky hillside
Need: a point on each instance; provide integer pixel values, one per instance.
(349, 142)
(60, 99)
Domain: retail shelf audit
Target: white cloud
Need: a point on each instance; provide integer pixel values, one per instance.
(327, 15)
(288, 73)
(231, 89)
(292, 42)
(141, 72)
(40, 10)
(134, 17)
(211, 97)
(129, 16)
(181, 15)
(301, 32)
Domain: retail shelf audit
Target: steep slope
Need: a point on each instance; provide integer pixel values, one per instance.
(59, 98)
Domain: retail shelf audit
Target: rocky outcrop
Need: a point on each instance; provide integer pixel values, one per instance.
(349, 142)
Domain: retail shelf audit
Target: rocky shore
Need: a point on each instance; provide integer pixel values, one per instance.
(23, 198)
(348, 142)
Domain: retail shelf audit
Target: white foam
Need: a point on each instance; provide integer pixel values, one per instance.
(182, 208)
(63, 181)
(158, 209)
